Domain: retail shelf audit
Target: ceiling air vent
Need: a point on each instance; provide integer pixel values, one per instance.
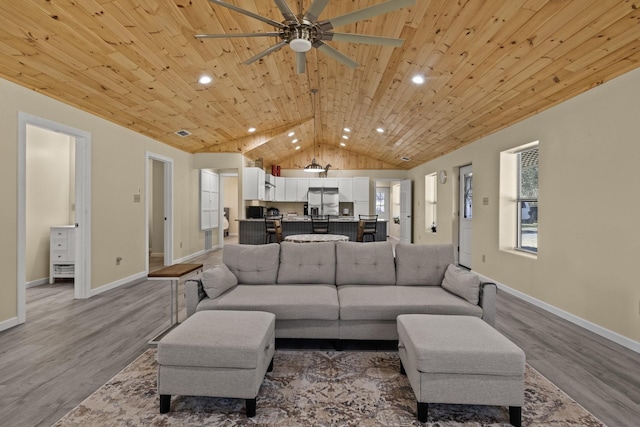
(405, 158)
(183, 133)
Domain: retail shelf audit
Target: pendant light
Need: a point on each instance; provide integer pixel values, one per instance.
(314, 166)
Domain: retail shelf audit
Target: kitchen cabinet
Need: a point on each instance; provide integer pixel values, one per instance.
(360, 196)
(253, 183)
(330, 182)
(62, 254)
(291, 190)
(303, 189)
(316, 182)
(280, 189)
(345, 188)
(270, 189)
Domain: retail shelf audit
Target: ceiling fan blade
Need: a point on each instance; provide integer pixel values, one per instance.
(317, 7)
(286, 10)
(368, 12)
(301, 62)
(249, 13)
(231, 36)
(265, 52)
(364, 39)
(335, 54)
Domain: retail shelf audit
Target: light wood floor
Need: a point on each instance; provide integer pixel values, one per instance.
(68, 348)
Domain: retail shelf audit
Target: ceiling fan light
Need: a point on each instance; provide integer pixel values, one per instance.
(314, 167)
(300, 45)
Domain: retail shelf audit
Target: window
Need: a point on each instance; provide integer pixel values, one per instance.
(527, 200)
(380, 202)
(430, 202)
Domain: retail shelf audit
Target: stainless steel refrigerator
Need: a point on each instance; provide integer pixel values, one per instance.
(323, 201)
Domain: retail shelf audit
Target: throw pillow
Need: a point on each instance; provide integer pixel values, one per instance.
(218, 280)
(463, 283)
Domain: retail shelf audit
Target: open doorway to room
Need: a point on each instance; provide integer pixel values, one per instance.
(159, 207)
(388, 206)
(231, 207)
(54, 228)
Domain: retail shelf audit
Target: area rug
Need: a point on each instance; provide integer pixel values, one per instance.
(315, 388)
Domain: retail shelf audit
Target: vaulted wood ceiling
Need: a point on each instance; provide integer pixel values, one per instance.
(488, 64)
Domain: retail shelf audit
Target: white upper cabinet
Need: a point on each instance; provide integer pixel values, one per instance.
(316, 182)
(303, 189)
(253, 183)
(330, 182)
(291, 190)
(280, 189)
(345, 188)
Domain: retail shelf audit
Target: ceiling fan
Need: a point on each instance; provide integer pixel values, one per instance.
(303, 31)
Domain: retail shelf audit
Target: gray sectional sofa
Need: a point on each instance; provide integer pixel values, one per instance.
(343, 290)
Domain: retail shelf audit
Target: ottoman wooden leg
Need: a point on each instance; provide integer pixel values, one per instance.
(270, 368)
(402, 371)
(515, 415)
(251, 407)
(423, 411)
(165, 403)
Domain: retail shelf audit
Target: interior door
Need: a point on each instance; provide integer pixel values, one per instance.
(405, 211)
(465, 216)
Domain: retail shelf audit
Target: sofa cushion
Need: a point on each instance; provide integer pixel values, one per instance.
(253, 264)
(365, 263)
(297, 302)
(388, 302)
(312, 263)
(463, 283)
(422, 264)
(217, 280)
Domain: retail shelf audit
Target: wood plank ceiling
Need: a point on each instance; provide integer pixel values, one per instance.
(487, 63)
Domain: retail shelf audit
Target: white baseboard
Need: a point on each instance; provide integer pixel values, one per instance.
(192, 256)
(9, 323)
(38, 282)
(576, 320)
(118, 283)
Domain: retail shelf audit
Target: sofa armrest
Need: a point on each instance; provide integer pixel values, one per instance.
(194, 293)
(488, 302)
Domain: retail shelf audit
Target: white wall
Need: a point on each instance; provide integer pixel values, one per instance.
(588, 241)
(118, 173)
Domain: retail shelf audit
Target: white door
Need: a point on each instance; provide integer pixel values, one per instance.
(465, 216)
(405, 211)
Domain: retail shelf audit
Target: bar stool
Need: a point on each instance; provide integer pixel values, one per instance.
(320, 224)
(367, 226)
(270, 228)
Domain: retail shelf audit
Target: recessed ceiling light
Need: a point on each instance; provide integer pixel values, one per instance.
(251, 130)
(290, 134)
(297, 147)
(405, 158)
(294, 141)
(418, 79)
(183, 133)
(205, 80)
(380, 130)
(347, 130)
(342, 144)
(345, 137)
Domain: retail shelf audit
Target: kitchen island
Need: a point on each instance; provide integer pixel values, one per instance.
(252, 231)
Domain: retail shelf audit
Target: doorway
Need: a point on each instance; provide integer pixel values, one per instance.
(159, 210)
(79, 152)
(465, 218)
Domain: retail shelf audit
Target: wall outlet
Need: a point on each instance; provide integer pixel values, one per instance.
(118, 260)
(180, 245)
(483, 258)
(136, 198)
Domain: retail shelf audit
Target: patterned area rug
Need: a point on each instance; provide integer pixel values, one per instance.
(315, 388)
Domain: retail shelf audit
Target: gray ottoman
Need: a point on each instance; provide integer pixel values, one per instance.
(460, 360)
(217, 353)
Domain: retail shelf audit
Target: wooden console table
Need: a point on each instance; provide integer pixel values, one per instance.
(174, 273)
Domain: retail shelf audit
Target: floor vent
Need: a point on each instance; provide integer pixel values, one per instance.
(208, 240)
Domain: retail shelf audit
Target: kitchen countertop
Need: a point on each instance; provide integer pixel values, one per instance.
(308, 219)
